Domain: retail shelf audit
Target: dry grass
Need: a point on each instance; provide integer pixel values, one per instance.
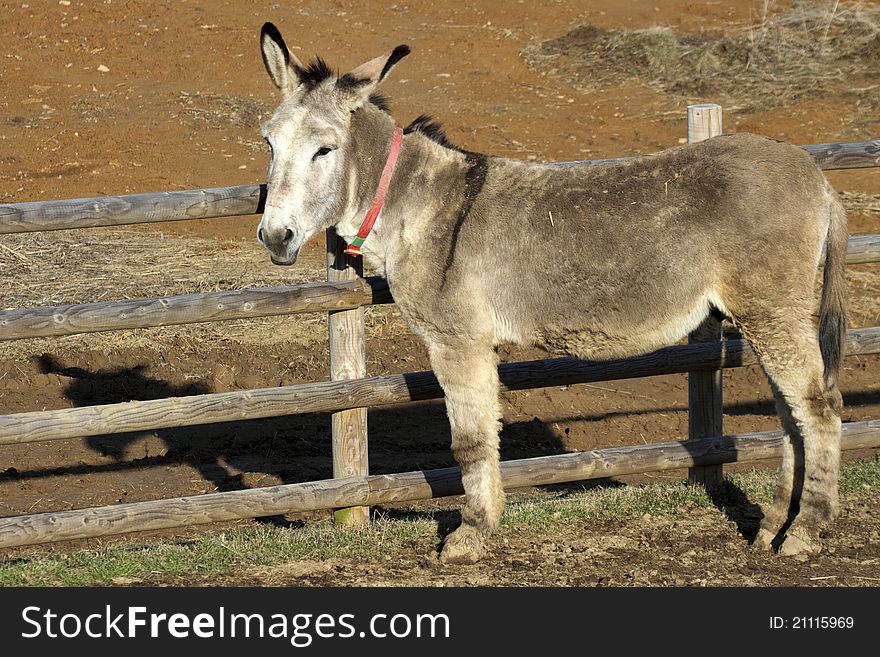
(82, 266)
(864, 295)
(78, 266)
(811, 49)
(861, 202)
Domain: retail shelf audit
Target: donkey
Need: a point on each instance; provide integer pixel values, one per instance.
(602, 261)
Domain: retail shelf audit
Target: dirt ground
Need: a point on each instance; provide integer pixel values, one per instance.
(136, 96)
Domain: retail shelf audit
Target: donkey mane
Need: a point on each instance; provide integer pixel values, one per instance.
(315, 73)
(318, 71)
(381, 102)
(433, 130)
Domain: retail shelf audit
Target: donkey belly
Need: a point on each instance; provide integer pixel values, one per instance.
(633, 326)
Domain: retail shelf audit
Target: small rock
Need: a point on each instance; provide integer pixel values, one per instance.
(103, 69)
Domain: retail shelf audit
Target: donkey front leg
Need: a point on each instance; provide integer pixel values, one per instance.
(469, 376)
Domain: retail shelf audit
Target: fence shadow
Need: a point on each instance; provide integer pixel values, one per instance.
(414, 436)
(289, 449)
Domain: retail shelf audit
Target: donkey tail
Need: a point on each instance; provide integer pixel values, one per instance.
(832, 309)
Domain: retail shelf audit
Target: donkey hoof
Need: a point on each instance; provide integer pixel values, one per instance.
(799, 543)
(462, 547)
(764, 539)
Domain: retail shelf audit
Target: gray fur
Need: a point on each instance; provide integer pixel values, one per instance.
(598, 262)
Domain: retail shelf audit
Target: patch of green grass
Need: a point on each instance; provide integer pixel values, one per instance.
(861, 475)
(757, 484)
(258, 545)
(266, 545)
(605, 502)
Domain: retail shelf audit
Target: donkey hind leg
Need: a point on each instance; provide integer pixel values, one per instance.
(469, 377)
(806, 496)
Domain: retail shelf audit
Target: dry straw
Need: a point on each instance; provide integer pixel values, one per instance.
(809, 49)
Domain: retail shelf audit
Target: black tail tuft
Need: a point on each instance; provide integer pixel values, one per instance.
(832, 310)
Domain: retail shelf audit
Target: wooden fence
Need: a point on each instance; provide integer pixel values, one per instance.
(348, 393)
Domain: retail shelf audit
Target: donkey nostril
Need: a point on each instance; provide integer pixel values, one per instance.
(288, 235)
(260, 236)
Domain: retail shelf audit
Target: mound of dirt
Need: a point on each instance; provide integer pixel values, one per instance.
(809, 50)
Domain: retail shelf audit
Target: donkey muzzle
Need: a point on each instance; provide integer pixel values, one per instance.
(284, 262)
(278, 243)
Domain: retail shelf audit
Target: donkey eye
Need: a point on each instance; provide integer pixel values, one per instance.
(321, 152)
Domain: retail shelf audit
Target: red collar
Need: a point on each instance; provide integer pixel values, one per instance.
(354, 249)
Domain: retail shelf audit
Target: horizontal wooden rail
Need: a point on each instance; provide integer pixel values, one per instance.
(846, 154)
(862, 249)
(404, 487)
(74, 319)
(192, 308)
(132, 209)
(250, 199)
(333, 396)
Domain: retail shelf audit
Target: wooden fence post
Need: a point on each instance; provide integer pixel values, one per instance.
(705, 416)
(347, 361)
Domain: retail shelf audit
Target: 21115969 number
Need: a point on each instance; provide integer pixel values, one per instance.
(812, 622)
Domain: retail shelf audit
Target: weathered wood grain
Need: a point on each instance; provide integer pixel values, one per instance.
(846, 155)
(333, 396)
(362, 491)
(348, 360)
(132, 209)
(192, 308)
(705, 394)
(862, 249)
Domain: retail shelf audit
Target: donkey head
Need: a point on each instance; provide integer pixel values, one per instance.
(311, 185)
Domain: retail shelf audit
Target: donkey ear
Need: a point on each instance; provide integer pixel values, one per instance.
(281, 64)
(364, 79)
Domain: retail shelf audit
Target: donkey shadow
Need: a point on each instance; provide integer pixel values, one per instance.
(289, 449)
(90, 388)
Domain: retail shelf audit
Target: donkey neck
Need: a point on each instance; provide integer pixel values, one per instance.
(421, 160)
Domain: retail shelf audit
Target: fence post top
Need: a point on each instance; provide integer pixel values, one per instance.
(704, 121)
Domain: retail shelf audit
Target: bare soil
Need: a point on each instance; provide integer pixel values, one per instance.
(704, 547)
(179, 106)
